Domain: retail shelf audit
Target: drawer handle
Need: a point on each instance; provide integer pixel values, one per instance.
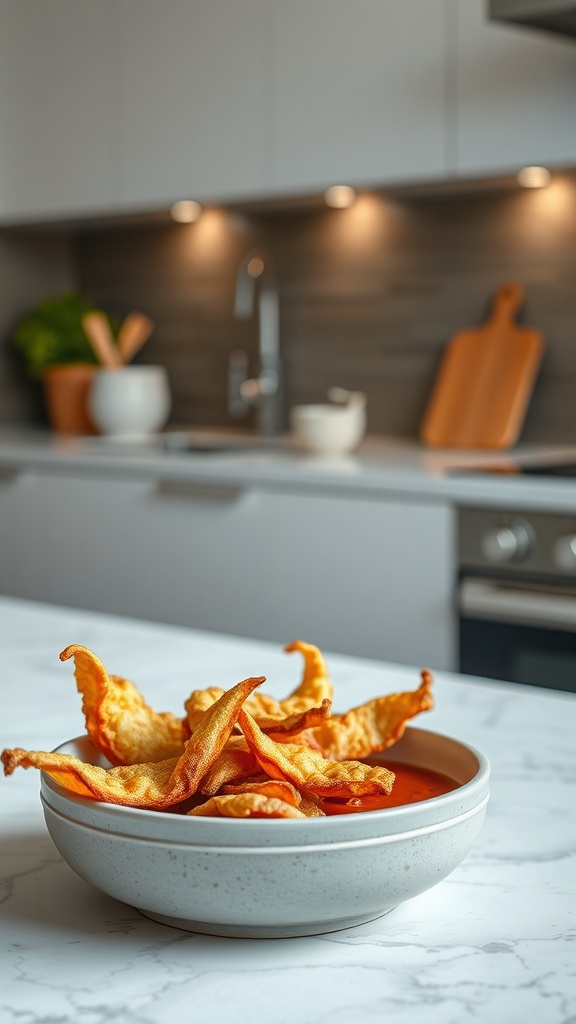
(483, 599)
(200, 490)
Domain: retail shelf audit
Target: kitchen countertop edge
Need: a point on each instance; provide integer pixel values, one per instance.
(382, 467)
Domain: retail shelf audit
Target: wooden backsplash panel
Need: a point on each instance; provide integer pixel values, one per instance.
(369, 297)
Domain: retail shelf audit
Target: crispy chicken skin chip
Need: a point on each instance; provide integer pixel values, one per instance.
(314, 695)
(279, 788)
(299, 722)
(246, 805)
(197, 703)
(235, 762)
(309, 771)
(375, 725)
(118, 720)
(314, 690)
(310, 808)
(236, 753)
(155, 786)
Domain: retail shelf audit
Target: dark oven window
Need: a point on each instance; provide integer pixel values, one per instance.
(520, 654)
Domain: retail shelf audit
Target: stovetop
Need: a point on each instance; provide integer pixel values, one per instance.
(558, 469)
(553, 469)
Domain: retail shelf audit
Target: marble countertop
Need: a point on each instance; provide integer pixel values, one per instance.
(492, 942)
(381, 466)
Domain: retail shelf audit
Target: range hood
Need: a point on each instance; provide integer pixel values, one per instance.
(557, 16)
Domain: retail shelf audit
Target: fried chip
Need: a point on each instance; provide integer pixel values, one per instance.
(310, 809)
(309, 771)
(197, 703)
(313, 695)
(237, 762)
(154, 786)
(297, 723)
(118, 720)
(236, 753)
(303, 739)
(234, 762)
(246, 805)
(375, 725)
(313, 691)
(279, 788)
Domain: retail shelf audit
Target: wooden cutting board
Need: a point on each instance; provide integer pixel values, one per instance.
(481, 393)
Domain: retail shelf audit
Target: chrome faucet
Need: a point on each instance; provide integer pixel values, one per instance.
(264, 392)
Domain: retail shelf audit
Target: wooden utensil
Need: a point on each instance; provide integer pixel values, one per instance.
(135, 330)
(482, 390)
(100, 337)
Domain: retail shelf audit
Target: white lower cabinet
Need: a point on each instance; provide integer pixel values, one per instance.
(19, 536)
(352, 574)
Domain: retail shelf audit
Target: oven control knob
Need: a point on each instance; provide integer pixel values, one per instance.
(506, 543)
(564, 553)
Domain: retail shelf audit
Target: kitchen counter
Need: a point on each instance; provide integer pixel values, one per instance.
(490, 942)
(380, 466)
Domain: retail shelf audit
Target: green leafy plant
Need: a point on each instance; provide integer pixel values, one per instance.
(52, 334)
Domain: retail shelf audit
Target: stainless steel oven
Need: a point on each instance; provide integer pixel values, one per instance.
(517, 596)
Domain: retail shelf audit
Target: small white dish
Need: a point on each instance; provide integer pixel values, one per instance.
(274, 878)
(330, 429)
(130, 402)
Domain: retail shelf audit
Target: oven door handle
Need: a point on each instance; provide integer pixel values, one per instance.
(485, 599)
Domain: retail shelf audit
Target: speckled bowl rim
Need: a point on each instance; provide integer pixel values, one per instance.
(394, 822)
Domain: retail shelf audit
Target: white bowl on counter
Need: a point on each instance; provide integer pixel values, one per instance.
(276, 878)
(130, 401)
(330, 429)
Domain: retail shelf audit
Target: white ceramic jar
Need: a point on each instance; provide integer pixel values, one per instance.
(131, 401)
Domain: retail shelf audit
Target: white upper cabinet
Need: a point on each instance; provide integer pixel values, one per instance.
(55, 108)
(356, 92)
(120, 106)
(117, 106)
(188, 100)
(515, 95)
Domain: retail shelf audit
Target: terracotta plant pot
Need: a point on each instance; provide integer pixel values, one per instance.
(66, 390)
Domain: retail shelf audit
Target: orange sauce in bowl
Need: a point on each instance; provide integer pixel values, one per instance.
(411, 785)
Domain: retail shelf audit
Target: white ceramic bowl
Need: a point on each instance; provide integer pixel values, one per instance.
(274, 878)
(131, 401)
(328, 429)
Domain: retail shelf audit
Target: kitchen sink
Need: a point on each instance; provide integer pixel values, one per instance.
(196, 443)
(191, 442)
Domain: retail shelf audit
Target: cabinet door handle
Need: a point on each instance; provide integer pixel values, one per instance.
(200, 490)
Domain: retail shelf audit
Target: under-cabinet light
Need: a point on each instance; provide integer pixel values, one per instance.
(185, 211)
(534, 177)
(340, 196)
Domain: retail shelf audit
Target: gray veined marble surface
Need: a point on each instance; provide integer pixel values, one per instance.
(494, 942)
